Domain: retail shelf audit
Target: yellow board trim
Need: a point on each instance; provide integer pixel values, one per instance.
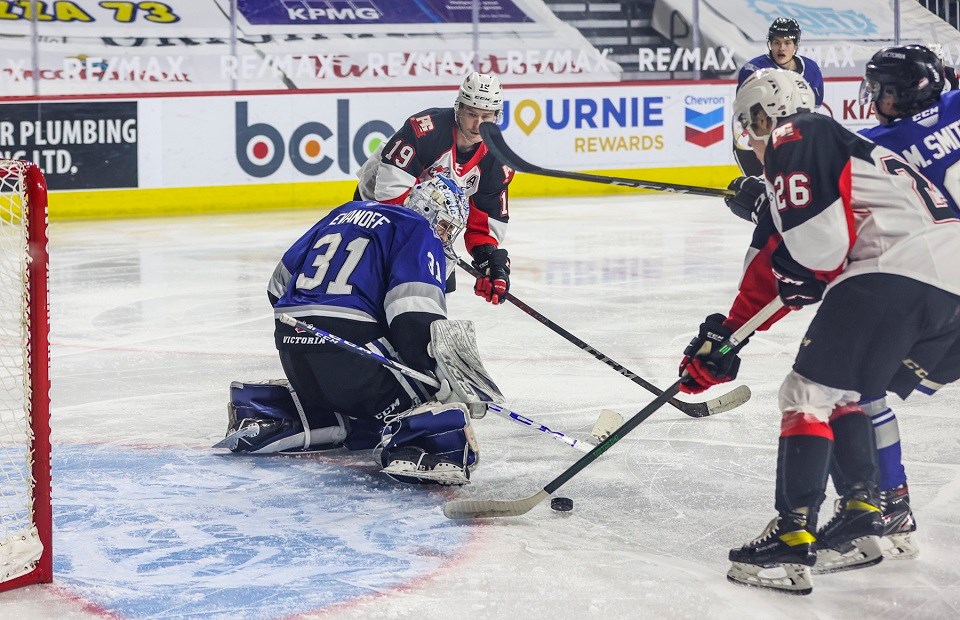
(130, 203)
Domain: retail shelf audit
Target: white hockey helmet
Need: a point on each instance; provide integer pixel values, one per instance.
(482, 91)
(778, 92)
(443, 204)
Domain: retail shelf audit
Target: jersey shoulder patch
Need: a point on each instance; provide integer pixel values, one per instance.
(422, 125)
(784, 134)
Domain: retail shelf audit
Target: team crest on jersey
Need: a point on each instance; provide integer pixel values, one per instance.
(422, 125)
(436, 169)
(784, 134)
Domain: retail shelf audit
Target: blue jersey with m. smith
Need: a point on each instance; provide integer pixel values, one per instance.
(930, 141)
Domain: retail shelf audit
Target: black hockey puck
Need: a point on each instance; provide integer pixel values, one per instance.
(562, 504)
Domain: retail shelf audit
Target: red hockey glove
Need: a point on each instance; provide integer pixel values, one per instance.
(494, 264)
(797, 285)
(704, 364)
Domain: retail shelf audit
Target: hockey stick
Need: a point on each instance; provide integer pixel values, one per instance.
(480, 508)
(605, 423)
(493, 138)
(725, 402)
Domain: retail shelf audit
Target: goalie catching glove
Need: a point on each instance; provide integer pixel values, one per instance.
(494, 267)
(703, 363)
(750, 201)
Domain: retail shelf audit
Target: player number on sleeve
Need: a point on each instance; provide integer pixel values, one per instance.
(400, 153)
(433, 265)
(792, 191)
(328, 246)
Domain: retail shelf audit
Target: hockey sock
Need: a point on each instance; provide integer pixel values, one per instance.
(803, 462)
(854, 451)
(887, 434)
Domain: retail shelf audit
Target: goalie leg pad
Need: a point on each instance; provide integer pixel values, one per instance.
(266, 418)
(430, 444)
(454, 345)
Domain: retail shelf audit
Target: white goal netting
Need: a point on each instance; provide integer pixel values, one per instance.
(20, 538)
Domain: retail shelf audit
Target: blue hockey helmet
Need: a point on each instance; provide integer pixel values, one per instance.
(912, 74)
(443, 204)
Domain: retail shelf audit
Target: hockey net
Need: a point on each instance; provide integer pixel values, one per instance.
(25, 507)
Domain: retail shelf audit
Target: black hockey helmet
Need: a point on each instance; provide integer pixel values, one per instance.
(913, 74)
(784, 27)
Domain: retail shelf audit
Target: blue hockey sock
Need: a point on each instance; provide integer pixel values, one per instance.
(887, 432)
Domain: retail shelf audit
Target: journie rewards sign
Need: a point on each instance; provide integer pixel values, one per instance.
(78, 145)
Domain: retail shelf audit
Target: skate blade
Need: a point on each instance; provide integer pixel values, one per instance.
(786, 578)
(232, 440)
(866, 551)
(899, 546)
(439, 475)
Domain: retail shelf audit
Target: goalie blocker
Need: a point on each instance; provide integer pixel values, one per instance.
(426, 443)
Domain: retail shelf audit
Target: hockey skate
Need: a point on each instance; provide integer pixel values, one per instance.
(414, 466)
(246, 434)
(898, 541)
(779, 559)
(851, 538)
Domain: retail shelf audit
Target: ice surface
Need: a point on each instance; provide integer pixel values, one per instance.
(152, 319)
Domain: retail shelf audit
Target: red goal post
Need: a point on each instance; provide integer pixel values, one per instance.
(26, 520)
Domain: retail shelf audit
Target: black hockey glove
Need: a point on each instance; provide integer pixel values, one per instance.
(494, 264)
(797, 285)
(750, 200)
(703, 362)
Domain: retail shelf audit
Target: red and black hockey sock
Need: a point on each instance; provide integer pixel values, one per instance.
(854, 460)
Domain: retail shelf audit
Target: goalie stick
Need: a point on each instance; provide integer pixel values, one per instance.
(608, 421)
(493, 138)
(724, 402)
(481, 508)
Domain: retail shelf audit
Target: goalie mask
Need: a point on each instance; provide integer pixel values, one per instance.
(442, 203)
(911, 74)
(482, 91)
(777, 92)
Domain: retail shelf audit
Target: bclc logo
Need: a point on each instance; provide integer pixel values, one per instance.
(260, 147)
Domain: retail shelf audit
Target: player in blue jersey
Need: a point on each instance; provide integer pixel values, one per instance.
(372, 274)
(783, 42)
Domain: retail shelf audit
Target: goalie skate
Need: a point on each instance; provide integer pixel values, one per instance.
(454, 346)
(413, 465)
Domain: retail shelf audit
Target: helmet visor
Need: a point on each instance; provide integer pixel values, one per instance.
(869, 91)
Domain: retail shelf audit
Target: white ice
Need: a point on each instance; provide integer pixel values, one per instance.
(152, 319)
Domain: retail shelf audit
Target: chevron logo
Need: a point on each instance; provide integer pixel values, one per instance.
(704, 128)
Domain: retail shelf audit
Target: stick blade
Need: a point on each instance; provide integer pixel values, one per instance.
(730, 400)
(491, 508)
(606, 424)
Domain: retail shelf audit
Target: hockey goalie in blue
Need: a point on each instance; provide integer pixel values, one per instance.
(373, 274)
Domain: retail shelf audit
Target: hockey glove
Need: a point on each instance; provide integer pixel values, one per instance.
(494, 264)
(750, 200)
(704, 364)
(797, 285)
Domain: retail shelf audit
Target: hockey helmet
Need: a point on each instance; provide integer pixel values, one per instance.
(777, 92)
(482, 91)
(786, 28)
(443, 204)
(913, 74)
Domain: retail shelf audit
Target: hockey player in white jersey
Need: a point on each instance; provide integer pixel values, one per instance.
(447, 141)
(371, 274)
(918, 122)
(855, 225)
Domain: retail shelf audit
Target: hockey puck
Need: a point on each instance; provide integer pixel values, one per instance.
(561, 504)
